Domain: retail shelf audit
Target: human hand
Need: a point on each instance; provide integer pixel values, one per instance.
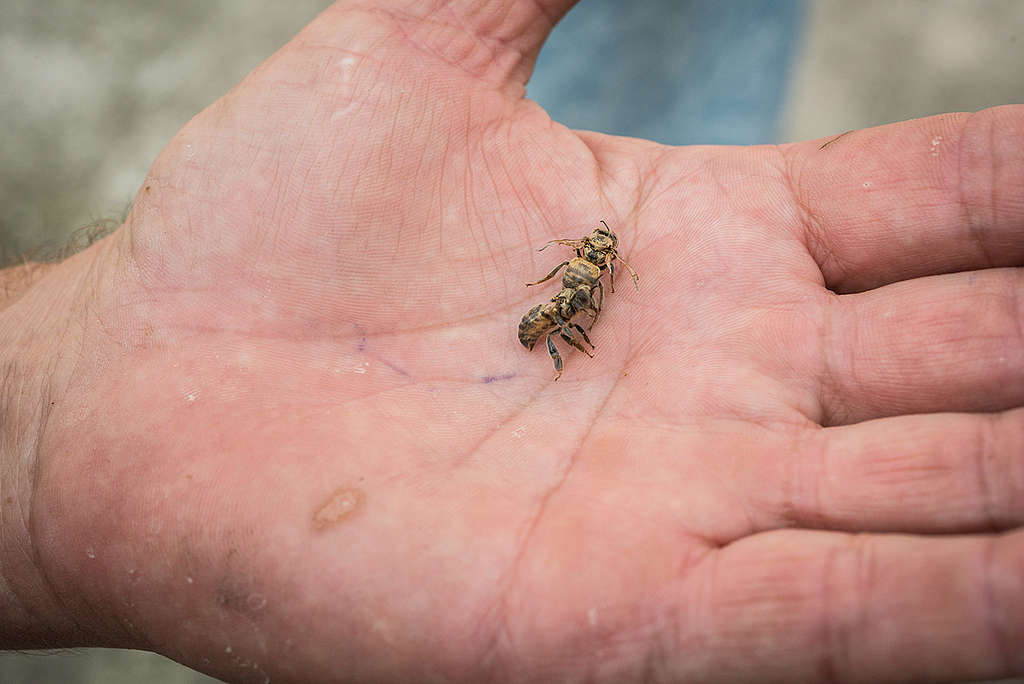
(290, 432)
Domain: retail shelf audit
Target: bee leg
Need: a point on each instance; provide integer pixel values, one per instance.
(549, 276)
(600, 305)
(582, 332)
(555, 357)
(575, 244)
(575, 343)
(636, 278)
(611, 270)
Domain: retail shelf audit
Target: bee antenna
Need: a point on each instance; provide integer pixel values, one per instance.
(605, 224)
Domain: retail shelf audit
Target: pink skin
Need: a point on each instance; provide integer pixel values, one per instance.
(290, 432)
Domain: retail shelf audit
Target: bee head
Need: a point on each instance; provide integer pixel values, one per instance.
(603, 239)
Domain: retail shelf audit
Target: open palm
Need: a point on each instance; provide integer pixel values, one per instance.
(301, 440)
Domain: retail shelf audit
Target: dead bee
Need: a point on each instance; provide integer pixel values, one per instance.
(599, 248)
(582, 277)
(580, 272)
(556, 317)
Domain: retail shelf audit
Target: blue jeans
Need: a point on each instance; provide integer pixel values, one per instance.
(675, 71)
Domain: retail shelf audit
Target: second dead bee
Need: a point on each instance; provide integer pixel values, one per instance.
(594, 254)
(555, 317)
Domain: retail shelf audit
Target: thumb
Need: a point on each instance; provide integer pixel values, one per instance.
(494, 41)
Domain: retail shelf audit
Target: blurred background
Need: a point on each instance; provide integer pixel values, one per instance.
(90, 93)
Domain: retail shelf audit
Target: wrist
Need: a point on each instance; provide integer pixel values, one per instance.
(31, 614)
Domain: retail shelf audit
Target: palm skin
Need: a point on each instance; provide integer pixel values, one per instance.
(301, 440)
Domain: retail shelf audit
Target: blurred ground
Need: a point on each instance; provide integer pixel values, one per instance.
(90, 92)
(877, 61)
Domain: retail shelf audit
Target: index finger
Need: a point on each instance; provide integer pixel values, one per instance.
(922, 197)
